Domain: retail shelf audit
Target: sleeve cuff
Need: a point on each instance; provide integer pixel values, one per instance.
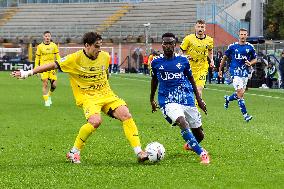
(58, 66)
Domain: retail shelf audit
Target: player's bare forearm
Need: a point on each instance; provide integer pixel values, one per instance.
(210, 55)
(154, 85)
(21, 74)
(252, 62)
(224, 59)
(192, 81)
(44, 68)
(199, 100)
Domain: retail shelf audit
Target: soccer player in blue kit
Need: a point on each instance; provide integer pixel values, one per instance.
(173, 75)
(242, 56)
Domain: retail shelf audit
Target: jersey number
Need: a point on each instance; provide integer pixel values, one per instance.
(202, 77)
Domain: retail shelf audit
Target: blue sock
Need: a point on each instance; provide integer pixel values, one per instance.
(233, 97)
(190, 139)
(242, 106)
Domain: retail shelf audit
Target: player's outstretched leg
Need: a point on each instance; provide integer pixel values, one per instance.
(199, 136)
(241, 103)
(85, 131)
(131, 133)
(226, 104)
(191, 141)
(228, 99)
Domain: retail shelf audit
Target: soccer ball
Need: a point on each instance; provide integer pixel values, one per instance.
(156, 151)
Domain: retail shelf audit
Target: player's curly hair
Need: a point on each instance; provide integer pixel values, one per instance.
(168, 35)
(91, 37)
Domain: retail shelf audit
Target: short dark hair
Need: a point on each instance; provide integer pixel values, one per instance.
(91, 37)
(168, 35)
(243, 29)
(46, 32)
(200, 21)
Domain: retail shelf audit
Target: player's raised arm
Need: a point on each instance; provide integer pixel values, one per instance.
(21, 74)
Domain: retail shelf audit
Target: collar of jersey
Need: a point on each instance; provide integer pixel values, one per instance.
(91, 58)
(201, 38)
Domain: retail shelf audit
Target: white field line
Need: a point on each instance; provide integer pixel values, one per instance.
(212, 89)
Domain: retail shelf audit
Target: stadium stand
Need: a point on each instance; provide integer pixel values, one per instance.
(176, 16)
(64, 20)
(117, 20)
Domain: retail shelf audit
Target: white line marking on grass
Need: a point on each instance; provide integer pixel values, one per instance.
(247, 93)
(220, 90)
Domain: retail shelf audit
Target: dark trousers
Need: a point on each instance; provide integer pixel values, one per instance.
(282, 79)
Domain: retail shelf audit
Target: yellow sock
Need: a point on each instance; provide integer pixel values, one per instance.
(49, 93)
(84, 132)
(45, 97)
(131, 132)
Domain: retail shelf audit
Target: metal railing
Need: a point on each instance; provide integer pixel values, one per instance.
(15, 3)
(212, 13)
(61, 33)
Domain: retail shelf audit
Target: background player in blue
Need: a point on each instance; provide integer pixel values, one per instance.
(243, 56)
(175, 95)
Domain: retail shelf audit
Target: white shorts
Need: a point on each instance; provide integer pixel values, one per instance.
(172, 111)
(240, 82)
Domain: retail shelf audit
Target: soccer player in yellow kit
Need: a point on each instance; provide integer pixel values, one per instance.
(88, 71)
(47, 52)
(198, 47)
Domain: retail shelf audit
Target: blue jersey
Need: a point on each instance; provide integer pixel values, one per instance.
(174, 86)
(238, 54)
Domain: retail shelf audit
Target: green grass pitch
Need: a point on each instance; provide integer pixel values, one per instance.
(34, 140)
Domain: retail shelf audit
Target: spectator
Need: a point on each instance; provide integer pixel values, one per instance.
(145, 65)
(115, 63)
(281, 70)
(271, 75)
(217, 61)
(110, 63)
(210, 71)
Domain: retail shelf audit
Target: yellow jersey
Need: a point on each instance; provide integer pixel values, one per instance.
(46, 53)
(197, 49)
(87, 76)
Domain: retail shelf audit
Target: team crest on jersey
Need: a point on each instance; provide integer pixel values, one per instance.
(179, 65)
(82, 69)
(247, 50)
(161, 67)
(63, 59)
(103, 68)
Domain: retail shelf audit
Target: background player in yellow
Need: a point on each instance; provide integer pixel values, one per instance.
(198, 47)
(47, 52)
(88, 71)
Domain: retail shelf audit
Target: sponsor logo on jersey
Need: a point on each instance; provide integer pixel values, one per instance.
(169, 76)
(161, 67)
(240, 57)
